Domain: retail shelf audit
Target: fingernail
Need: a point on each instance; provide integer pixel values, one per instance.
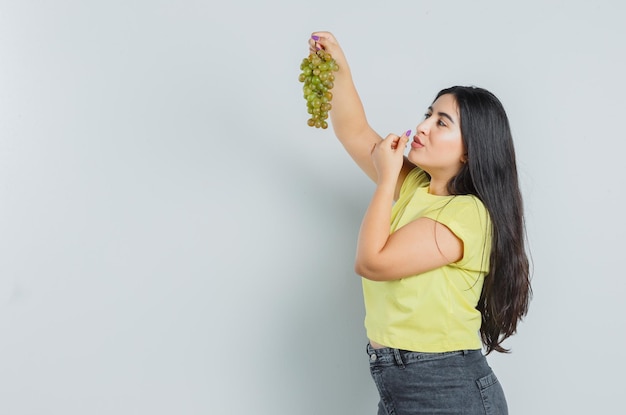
(316, 38)
(408, 133)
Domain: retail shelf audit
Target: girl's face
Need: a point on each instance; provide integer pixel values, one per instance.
(437, 146)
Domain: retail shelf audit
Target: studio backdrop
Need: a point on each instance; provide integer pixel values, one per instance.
(175, 239)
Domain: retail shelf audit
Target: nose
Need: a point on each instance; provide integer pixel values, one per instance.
(423, 127)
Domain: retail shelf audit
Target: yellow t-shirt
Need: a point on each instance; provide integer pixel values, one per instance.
(434, 311)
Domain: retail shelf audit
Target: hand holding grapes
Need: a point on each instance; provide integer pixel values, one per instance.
(317, 74)
(327, 42)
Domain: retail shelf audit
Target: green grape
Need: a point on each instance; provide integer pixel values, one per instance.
(316, 73)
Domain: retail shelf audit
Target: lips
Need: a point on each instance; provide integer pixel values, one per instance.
(416, 142)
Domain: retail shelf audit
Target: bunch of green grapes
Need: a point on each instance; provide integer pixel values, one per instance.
(317, 76)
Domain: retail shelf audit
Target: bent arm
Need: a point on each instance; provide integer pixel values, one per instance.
(417, 247)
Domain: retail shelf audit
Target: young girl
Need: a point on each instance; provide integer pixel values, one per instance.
(441, 248)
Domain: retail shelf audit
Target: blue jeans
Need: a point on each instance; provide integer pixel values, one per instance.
(459, 382)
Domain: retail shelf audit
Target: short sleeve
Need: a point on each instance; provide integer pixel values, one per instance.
(468, 219)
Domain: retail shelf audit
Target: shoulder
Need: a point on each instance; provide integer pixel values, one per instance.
(465, 215)
(468, 210)
(468, 205)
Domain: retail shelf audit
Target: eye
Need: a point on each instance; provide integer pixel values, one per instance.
(441, 123)
(427, 115)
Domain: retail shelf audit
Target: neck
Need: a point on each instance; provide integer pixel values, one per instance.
(439, 180)
(438, 187)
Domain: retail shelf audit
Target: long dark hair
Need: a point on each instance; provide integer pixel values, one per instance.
(490, 173)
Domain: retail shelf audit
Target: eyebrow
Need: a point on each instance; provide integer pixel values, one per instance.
(442, 114)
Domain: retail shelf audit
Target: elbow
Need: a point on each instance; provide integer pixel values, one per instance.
(368, 271)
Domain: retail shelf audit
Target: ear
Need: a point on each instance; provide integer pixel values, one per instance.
(464, 158)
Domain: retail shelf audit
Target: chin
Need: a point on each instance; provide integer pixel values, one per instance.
(413, 160)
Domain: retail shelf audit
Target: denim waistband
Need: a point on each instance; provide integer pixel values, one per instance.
(388, 355)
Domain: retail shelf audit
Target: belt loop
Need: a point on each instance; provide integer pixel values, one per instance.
(398, 356)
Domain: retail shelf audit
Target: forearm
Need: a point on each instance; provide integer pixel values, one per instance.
(374, 231)
(349, 121)
(347, 116)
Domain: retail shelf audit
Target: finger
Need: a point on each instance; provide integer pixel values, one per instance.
(404, 140)
(322, 37)
(313, 46)
(401, 142)
(313, 43)
(321, 40)
(391, 141)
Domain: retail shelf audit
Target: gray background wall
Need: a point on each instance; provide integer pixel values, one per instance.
(175, 239)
